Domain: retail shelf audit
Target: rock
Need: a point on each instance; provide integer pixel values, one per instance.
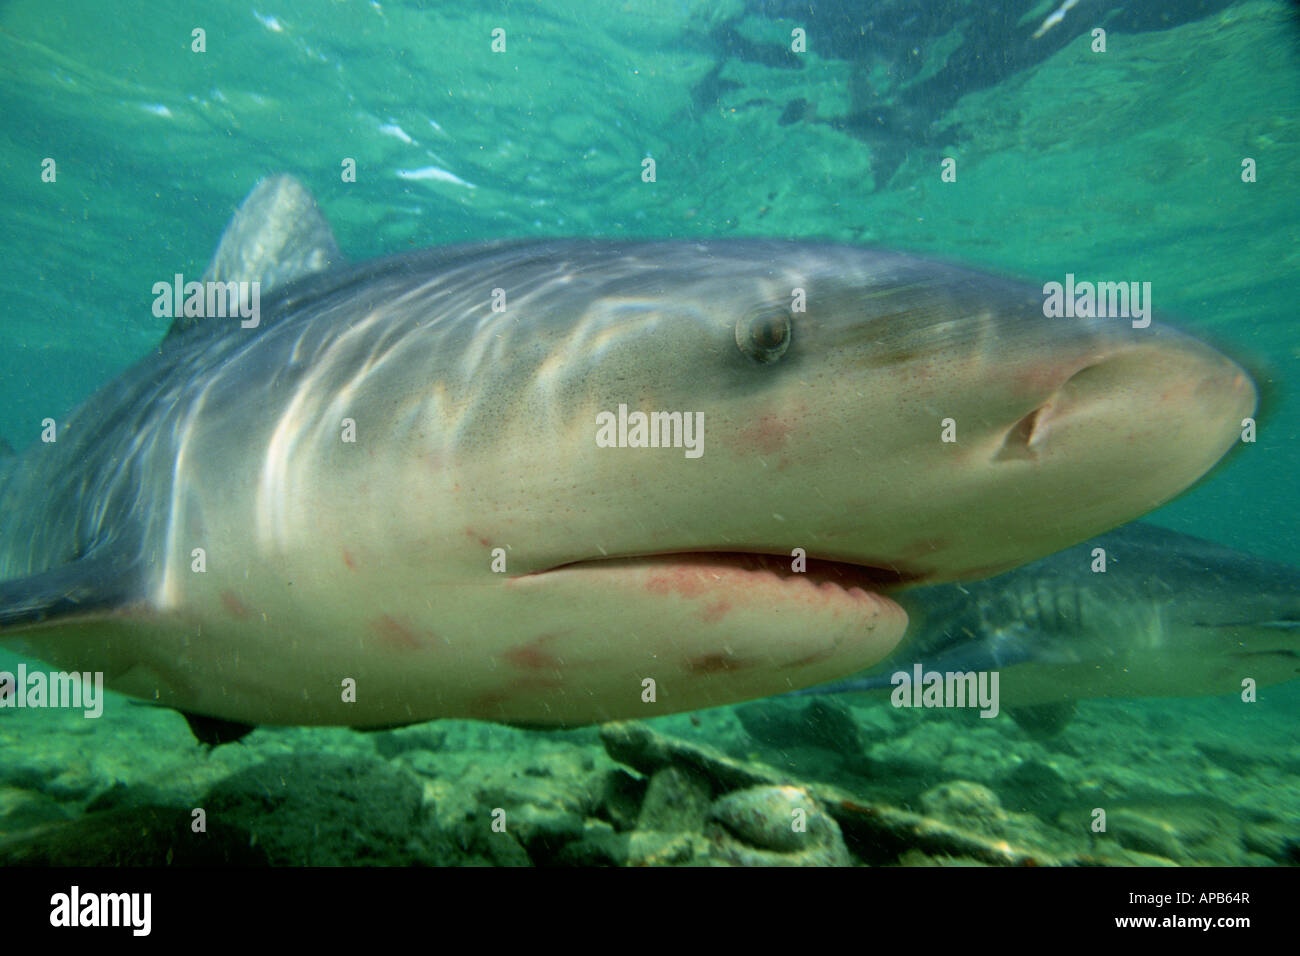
(391, 743)
(541, 825)
(924, 745)
(1238, 756)
(22, 810)
(497, 849)
(134, 836)
(1274, 839)
(23, 776)
(642, 748)
(763, 816)
(1137, 831)
(543, 810)
(656, 848)
(917, 858)
(1037, 788)
(621, 798)
(600, 845)
(876, 832)
(422, 763)
(820, 723)
(976, 810)
(677, 800)
(1044, 721)
(320, 810)
(774, 826)
(970, 803)
(547, 798)
(832, 725)
(876, 722)
(121, 796)
(1185, 832)
(909, 762)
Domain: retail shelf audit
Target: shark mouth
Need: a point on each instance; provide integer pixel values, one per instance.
(874, 576)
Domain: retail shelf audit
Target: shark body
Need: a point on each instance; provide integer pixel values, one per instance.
(1170, 616)
(387, 502)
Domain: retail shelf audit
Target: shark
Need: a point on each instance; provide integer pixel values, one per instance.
(422, 486)
(1141, 611)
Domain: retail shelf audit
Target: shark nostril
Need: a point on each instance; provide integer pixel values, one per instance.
(1021, 438)
(1016, 446)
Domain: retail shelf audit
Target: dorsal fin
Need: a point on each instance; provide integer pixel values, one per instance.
(277, 235)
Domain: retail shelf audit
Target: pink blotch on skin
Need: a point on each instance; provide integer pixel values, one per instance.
(816, 657)
(533, 657)
(687, 581)
(230, 601)
(488, 705)
(767, 435)
(714, 664)
(395, 635)
(715, 612)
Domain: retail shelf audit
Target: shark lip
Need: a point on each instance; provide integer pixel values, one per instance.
(870, 576)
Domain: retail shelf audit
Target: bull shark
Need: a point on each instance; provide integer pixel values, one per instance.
(1169, 616)
(384, 501)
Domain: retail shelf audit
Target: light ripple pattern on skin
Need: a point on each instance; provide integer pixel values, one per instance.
(371, 559)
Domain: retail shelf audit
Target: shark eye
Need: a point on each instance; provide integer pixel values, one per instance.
(765, 334)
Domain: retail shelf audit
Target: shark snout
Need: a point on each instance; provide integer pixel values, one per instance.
(1188, 400)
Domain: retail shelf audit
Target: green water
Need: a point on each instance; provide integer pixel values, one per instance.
(1125, 164)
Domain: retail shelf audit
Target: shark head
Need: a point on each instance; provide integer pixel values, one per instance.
(909, 417)
(819, 385)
